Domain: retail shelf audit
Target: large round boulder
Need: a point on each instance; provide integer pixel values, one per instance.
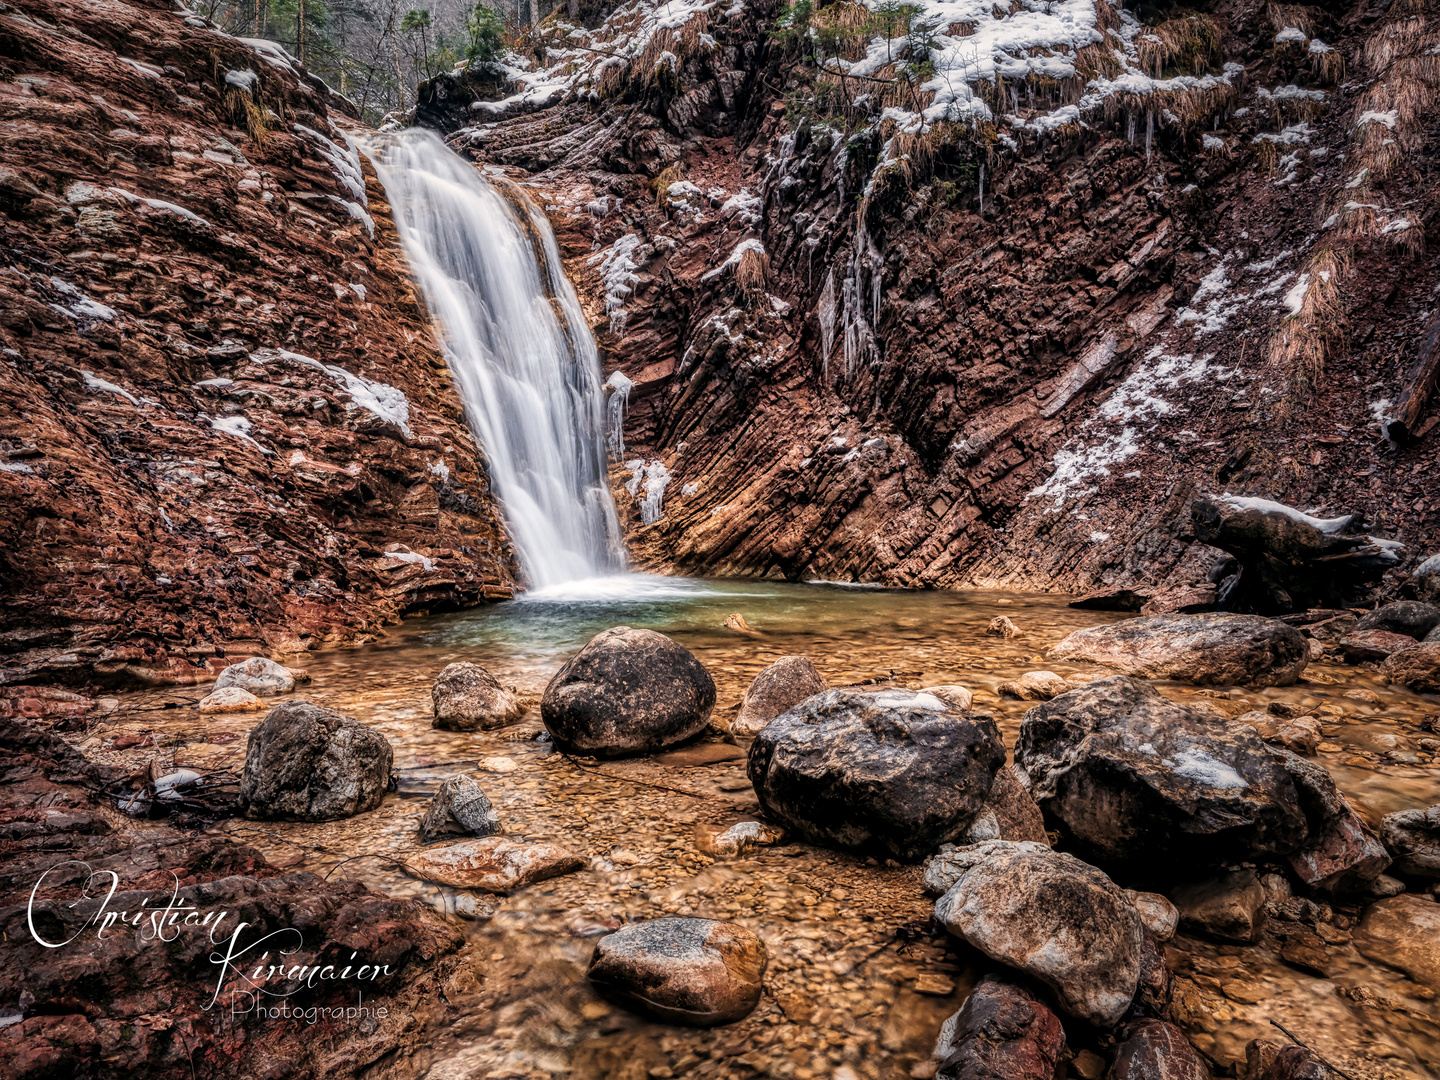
(1205, 649)
(1417, 667)
(466, 697)
(685, 971)
(1408, 617)
(627, 692)
(1131, 776)
(781, 686)
(307, 763)
(1054, 918)
(890, 772)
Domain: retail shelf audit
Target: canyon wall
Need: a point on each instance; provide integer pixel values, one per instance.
(1218, 282)
(224, 423)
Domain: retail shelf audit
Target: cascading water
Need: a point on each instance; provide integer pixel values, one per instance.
(515, 337)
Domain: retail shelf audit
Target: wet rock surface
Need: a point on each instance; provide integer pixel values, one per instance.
(1133, 776)
(313, 764)
(1404, 932)
(1413, 839)
(1155, 1050)
(627, 692)
(1055, 918)
(777, 689)
(1229, 906)
(1202, 649)
(466, 697)
(1002, 1030)
(493, 864)
(688, 971)
(890, 772)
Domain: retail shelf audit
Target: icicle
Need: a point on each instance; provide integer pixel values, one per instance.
(825, 313)
(982, 189)
(1131, 135)
(1149, 133)
(620, 388)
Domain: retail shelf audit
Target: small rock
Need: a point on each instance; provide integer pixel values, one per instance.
(1408, 617)
(1002, 627)
(1413, 840)
(1300, 734)
(231, 699)
(1155, 1050)
(777, 689)
(892, 772)
(627, 692)
(258, 675)
(1158, 914)
(1361, 694)
(1383, 887)
(307, 763)
(1088, 1065)
(493, 864)
(1227, 907)
(466, 697)
(169, 785)
(496, 764)
(1427, 580)
(1055, 918)
(686, 971)
(459, 806)
(1208, 649)
(741, 839)
(1361, 646)
(1034, 686)
(1294, 1063)
(1417, 667)
(958, 698)
(1002, 1031)
(1287, 710)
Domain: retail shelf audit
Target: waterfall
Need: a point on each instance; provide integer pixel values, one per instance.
(514, 335)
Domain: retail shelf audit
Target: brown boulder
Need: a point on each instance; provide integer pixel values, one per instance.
(493, 864)
(777, 689)
(1002, 1031)
(466, 697)
(1155, 1050)
(685, 971)
(1417, 667)
(1360, 646)
(1403, 932)
(1009, 813)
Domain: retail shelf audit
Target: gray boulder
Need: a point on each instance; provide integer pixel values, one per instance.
(1413, 838)
(466, 697)
(780, 687)
(307, 763)
(1002, 1031)
(1427, 580)
(1054, 918)
(627, 692)
(890, 772)
(1205, 649)
(1408, 617)
(459, 807)
(257, 675)
(1133, 777)
(697, 972)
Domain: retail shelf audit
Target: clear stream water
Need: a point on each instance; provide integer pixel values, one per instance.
(843, 991)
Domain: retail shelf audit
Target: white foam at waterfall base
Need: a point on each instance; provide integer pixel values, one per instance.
(526, 367)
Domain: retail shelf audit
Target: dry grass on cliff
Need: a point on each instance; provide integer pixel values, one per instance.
(1305, 341)
(247, 114)
(1189, 42)
(753, 271)
(1299, 16)
(671, 174)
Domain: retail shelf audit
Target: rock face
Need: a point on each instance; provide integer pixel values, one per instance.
(1413, 839)
(1227, 907)
(684, 971)
(459, 806)
(1054, 918)
(780, 687)
(890, 772)
(257, 675)
(308, 763)
(1132, 776)
(232, 699)
(466, 697)
(493, 864)
(1404, 932)
(1002, 1030)
(627, 692)
(1408, 617)
(218, 496)
(1202, 649)
(1417, 667)
(1155, 1050)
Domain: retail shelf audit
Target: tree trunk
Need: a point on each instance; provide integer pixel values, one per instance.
(1420, 382)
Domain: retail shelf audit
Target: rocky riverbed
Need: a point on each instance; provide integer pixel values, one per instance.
(860, 977)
